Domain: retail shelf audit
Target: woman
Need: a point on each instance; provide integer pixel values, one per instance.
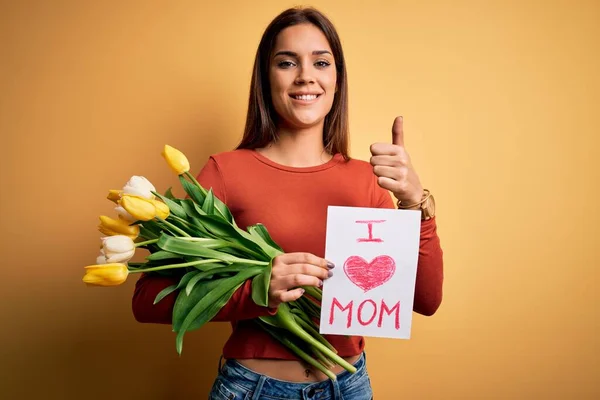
(291, 164)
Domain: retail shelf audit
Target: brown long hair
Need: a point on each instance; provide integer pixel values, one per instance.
(260, 127)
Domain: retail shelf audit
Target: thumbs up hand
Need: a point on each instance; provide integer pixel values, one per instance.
(391, 163)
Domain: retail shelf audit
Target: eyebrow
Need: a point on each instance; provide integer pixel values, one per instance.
(292, 54)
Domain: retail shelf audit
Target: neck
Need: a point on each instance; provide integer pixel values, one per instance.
(298, 147)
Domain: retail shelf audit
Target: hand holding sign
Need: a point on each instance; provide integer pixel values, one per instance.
(292, 270)
(391, 163)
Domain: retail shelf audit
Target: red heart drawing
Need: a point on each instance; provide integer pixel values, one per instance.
(367, 275)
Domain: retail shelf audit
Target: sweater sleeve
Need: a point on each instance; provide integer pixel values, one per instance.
(240, 305)
(430, 266)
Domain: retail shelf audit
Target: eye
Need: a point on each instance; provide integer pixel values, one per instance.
(285, 64)
(322, 64)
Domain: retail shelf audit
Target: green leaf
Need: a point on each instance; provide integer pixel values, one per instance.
(208, 306)
(185, 303)
(162, 255)
(192, 190)
(191, 208)
(222, 229)
(224, 211)
(208, 266)
(209, 202)
(213, 309)
(260, 287)
(174, 207)
(169, 194)
(164, 293)
(186, 278)
(148, 233)
(261, 231)
(212, 271)
(170, 289)
(260, 242)
(184, 247)
(187, 226)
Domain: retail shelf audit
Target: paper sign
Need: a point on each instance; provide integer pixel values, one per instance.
(375, 252)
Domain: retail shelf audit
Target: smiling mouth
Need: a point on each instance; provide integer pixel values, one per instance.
(305, 97)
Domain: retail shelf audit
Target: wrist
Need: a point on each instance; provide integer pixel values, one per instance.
(426, 205)
(413, 202)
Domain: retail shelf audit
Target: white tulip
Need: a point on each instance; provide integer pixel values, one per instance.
(139, 186)
(101, 259)
(118, 248)
(124, 214)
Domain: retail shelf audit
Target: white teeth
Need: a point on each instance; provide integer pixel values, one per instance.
(306, 97)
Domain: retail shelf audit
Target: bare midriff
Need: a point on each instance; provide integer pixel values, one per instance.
(290, 370)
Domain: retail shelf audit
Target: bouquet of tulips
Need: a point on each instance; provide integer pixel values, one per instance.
(196, 239)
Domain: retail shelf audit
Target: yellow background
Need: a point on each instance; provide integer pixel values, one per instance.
(498, 99)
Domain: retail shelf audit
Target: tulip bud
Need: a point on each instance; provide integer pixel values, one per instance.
(138, 208)
(117, 249)
(139, 186)
(162, 210)
(177, 161)
(112, 227)
(114, 195)
(105, 274)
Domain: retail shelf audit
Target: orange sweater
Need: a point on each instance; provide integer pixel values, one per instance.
(292, 203)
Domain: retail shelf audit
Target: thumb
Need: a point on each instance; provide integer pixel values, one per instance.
(398, 132)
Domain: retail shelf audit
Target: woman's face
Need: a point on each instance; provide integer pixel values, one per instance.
(302, 76)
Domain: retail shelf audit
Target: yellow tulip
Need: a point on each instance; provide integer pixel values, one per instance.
(114, 195)
(177, 161)
(139, 208)
(105, 274)
(162, 210)
(112, 227)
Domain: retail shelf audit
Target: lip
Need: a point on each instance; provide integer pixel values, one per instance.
(300, 101)
(305, 93)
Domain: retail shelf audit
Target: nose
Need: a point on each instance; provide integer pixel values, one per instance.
(305, 75)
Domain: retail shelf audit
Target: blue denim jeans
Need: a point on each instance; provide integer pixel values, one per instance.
(236, 382)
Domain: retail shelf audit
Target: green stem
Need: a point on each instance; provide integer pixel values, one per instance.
(308, 307)
(298, 351)
(173, 266)
(175, 228)
(147, 242)
(314, 292)
(285, 319)
(326, 363)
(195, 182)
(247, 261)
(308, 326)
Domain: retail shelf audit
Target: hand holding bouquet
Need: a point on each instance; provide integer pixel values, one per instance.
(197, 240)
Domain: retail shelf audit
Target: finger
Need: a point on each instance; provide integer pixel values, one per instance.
(398, 132)
(392, 185)
(293, 281)
(395, 173)
(291, 295)
(383, 149)
(307, 269)
(304, 258)
(390, 161)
